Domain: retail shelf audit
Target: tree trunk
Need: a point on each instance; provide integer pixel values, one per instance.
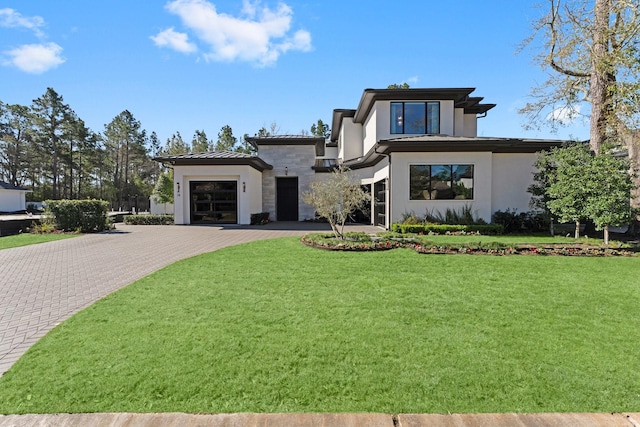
(577, 232)
(632, 141)
(599, 75)
(54, 165)
(606, 234)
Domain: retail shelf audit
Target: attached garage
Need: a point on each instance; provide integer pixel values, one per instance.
(218, 187)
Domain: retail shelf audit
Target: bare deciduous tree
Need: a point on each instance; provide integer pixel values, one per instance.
(336, 198)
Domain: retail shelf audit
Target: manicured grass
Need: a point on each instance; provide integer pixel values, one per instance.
(274, 326)
(25, 239)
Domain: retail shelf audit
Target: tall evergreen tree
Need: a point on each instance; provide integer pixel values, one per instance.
(176, 145)
(200, 143)
(50, 114)
(320, 129)
(125, 143)
(15, 143)
(226, 140)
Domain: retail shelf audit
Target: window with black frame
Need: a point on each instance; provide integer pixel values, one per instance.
(415, 118)
(441, 182)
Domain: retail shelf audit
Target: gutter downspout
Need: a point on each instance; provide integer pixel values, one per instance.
(388, 189)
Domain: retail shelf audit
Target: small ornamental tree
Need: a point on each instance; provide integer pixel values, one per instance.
(566, 192)
(163, 191)
(608, 189)
(539, 197)
(336, 198)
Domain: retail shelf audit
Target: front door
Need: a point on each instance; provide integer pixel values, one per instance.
(287, 199)
(214, 202)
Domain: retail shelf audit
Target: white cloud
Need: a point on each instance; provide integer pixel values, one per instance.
(13, 19)
(412, 80)
(564, 115)
(35, 58)
(174, 40)
(259, 35)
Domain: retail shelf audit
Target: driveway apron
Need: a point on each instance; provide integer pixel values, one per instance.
(42, 285)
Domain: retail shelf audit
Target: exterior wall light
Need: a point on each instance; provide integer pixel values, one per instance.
(286, 171)
(178, 186)
(244, 187)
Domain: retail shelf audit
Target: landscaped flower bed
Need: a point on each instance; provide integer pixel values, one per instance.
(351, 242)
(386, 241)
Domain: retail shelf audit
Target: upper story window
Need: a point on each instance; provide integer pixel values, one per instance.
(415, 117)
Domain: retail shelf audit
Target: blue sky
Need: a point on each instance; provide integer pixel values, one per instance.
(183, 65)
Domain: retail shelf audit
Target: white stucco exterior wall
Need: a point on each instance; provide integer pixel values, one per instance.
(470, 125)
(12, 200)
(458, 119)
(512, 175)
(249, 201)
(373, 128)
(377, 125)
(350, 140)
(482, 185)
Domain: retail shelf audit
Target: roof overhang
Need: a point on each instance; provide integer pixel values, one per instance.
(459, 96)
(200, 160)
(318, 141)
(370, 96)
(440, 144)
(336, 122)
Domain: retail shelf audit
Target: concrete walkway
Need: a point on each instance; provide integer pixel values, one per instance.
(42, 285)
(322, 420)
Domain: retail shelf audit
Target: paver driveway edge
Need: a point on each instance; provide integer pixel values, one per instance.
(42, 285)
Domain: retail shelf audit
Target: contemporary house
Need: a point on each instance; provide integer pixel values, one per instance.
(415, 150)
(12, 198)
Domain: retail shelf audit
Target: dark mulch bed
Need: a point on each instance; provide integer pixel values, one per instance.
(368, 243)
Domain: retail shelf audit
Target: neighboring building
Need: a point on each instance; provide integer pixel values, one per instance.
(416, 150)
(12, 198)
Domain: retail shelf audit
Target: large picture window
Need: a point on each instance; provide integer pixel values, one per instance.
(416, 118)
(441, 182)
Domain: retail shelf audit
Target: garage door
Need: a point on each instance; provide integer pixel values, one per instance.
(214, 202)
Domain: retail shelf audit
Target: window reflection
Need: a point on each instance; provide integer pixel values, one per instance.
(441, 182)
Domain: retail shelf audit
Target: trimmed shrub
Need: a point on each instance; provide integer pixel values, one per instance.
(446, 228)
(85, 216)
(514, 222)
(148, 219)
(259, 218)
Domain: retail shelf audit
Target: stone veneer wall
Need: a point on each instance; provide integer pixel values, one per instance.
(298, 159)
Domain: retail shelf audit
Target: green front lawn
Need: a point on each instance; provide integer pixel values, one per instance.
(25, 239)
(274, 326)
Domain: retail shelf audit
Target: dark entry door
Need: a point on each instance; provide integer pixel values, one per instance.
(287, 199)
(214, 202)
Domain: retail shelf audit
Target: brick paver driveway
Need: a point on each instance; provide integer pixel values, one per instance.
(42, 285)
